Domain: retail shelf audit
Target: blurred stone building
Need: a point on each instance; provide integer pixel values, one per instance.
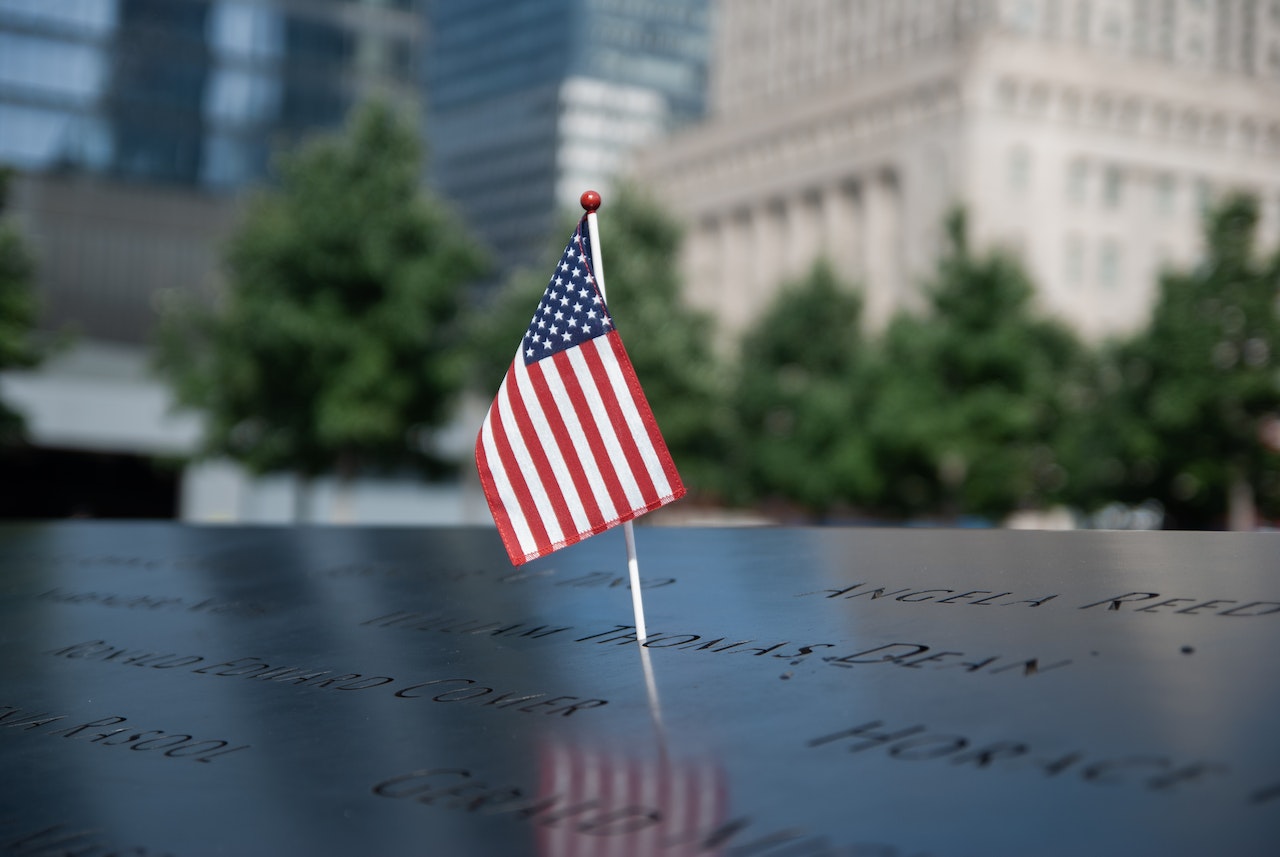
(1084, 135)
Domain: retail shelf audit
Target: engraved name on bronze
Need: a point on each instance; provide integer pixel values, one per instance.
(1133, 602)
(155, 602)
(141, 563)
(1144, 602)
(908, 742)
(916, 595)
(912, 655)
(63, 840)
(108, 732)
(589, 580)
(445, 689)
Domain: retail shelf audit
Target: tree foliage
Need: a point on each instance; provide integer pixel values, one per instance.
(801, 387)
(969, 395)
(1195, 398)
(17, 309)
(338, 329)
(668, 342)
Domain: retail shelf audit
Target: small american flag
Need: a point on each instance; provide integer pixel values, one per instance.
(569, 447)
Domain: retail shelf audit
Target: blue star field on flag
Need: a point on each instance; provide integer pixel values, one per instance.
(572, 310)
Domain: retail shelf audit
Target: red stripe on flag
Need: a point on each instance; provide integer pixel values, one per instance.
(547, 475)
(551, 410)
(528, 510)
(646, 415)
(587, 419)
(496, 507)
(635, 461)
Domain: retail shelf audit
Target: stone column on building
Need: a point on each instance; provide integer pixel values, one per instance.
(804, 232)
(842, 229)
(733, 297)
(703, 259)
(770, 237)
(882, 229)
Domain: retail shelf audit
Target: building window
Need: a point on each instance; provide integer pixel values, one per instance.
(1024, 16)
(1161, 119)
(1109, 264)
(1077, 181)
(1166, 195)
(1113, 31)
(1007, 93)
(1168, 27)
(1216, 130)
(32, 136)
(1112, 187)
(40, 67)
(1052, 14)
(1084, 23)
(247, 31)
(1073, 260)
(1070, 104)
(1204, 195)
(90, 16)
(1141, 26)
(1019, 169)
(1248, 134)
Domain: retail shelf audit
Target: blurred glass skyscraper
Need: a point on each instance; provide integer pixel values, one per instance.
(190, 91)
(134, 123)
(530, 102)
(132, 119)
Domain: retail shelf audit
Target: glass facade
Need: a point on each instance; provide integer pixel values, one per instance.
(532, 101)
(193, 92)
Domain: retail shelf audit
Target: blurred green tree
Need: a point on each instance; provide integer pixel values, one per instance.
(337, 340)
(802, 386)
(669, 343)
(1196, 396)
(17, 309)
(969, 394)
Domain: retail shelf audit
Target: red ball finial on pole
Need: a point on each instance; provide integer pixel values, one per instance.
(590, 201)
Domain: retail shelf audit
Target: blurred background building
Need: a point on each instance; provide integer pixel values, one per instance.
(1084, 135)
(135, 124)
(533, 101)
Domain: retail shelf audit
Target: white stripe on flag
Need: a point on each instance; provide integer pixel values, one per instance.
(547, 438)
(537, 491)
(578, 436)
(635, 423)
(602, 424)
(502, 484)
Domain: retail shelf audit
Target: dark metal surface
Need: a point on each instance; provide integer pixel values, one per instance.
(184, 691)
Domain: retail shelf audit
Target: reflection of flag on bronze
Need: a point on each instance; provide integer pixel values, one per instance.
(609, 804)
(569, 447)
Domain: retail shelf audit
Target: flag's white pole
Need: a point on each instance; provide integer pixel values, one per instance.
(590, 202)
